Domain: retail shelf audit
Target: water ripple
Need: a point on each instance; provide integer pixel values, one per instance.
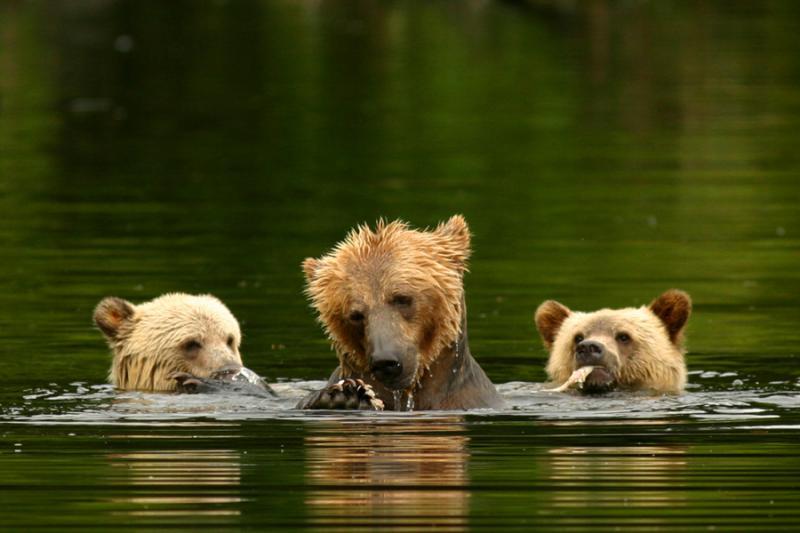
(81, 403)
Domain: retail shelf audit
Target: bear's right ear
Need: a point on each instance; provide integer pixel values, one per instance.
(111, 314)
(456, 233)
(310, 266)
(549, 317)
(673, 308)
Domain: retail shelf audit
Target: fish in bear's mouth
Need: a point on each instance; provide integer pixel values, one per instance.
(600, 380)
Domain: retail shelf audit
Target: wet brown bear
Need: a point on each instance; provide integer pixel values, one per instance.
(631, 349)
(392, 303)
(173, 335)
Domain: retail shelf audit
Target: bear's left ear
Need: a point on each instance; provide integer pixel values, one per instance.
(673, 308)
(456, 233)
(310, 266)
(549, 317)
(111, 314)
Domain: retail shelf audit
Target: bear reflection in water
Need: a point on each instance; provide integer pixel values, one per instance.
(191, 483)
(641, 476)
(410, 473)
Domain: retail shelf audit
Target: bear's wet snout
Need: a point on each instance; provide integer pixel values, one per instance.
(589, 353)
(386, 369)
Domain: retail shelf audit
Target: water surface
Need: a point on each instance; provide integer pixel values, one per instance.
(602, 152)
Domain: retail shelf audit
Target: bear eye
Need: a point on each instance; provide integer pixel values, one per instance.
(192, 345)
(356, 316)
(578, 338)
(230, 341)
(401, 300)
(623, 337)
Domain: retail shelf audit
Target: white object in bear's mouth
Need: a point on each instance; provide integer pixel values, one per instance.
(577, 378)
(245, 374)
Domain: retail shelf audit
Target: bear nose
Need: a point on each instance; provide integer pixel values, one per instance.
(386, 368)
(589, 353)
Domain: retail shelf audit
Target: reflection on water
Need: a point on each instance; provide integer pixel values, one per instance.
(642, 476)
(552, 461)
(174, 483)
(406, 473)
(602, 152)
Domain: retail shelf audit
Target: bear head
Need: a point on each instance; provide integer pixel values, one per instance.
(391, 299)
(631, 348)
(171, 334)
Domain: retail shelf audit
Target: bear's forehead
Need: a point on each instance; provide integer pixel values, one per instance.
(611, 320)
(198, 315)
(380, 271)
(382, 256)
(370, 285)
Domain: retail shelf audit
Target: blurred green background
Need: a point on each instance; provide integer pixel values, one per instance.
(601, 151)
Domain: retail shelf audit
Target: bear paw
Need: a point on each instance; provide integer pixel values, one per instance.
(346, 394)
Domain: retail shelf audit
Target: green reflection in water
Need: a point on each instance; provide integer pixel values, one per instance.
(602, 152)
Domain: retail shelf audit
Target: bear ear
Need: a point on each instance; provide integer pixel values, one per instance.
(673, 308)
(111, 314)
(456, 232)
(549, 317)
(310, 266)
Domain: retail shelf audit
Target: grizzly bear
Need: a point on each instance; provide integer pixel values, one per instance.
(392, 303)
(629, 349)
(173, 340)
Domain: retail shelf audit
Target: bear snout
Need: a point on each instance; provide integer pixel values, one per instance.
(386, 369)
(589, 353)
(395, 368)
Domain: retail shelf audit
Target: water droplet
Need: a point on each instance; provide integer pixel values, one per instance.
(397, 396)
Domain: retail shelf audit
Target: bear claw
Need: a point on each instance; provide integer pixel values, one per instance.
(347, 394)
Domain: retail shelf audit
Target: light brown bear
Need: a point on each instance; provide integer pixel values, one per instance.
(157, 345)
(392, 302)
(630, 349)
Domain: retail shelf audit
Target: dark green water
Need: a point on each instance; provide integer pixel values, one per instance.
(601, 154)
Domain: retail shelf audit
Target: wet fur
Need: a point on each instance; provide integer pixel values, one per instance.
(654, 359)
(146, 339)
(365, 270)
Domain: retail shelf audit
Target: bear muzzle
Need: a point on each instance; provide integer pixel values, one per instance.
(391, 355)
(589, 353)
(392, 369)
(386, 369)
(602, 378)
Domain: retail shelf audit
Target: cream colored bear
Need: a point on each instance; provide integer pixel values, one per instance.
(173, 334)
(631, 349)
